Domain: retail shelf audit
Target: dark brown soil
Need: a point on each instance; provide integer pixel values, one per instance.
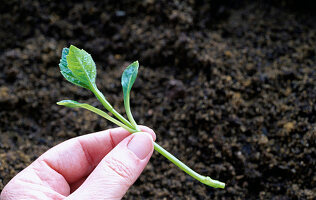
(228, 87)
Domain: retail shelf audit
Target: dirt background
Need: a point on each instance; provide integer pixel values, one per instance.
(228, 86)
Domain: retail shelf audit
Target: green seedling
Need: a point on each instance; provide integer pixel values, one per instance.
(78, 67)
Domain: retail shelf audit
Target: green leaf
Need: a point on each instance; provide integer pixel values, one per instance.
(81, 65)
(66, 72)
(70, 103)
(128, 78)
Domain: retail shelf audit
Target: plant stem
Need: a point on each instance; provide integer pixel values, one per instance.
(203, 179)
(128, 111)
(109, 107)
(108, 117)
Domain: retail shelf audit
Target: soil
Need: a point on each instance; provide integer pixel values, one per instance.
(228, 86)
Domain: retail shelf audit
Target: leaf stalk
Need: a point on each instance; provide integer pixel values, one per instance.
(128, 111)
(109, 107)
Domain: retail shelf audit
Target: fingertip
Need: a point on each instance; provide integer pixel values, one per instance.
(141, 145)
(148, 130)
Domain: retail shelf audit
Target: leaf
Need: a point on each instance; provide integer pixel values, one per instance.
(81, 65)
(66, 72)
(128, 78)
(69, 103)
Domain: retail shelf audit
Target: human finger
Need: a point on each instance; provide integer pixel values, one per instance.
(118, 170)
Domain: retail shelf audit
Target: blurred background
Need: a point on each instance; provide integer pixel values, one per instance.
(228, 86)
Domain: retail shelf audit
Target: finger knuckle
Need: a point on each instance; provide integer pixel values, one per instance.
(121, 169)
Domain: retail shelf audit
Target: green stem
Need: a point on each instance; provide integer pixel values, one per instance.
(106, 116)
(109, 107)
(203, 179)
(128, 111)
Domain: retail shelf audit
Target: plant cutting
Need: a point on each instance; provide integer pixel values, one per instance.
(78, 67)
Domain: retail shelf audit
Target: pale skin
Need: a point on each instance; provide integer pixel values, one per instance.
(97, 166)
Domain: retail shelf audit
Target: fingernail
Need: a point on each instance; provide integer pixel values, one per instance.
(141, 145)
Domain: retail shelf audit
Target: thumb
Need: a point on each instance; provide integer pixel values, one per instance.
(118, 170)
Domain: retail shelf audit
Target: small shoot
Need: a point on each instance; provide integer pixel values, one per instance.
(128, 78)
(78, 67)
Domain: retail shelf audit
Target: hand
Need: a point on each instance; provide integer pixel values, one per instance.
(96, 166)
